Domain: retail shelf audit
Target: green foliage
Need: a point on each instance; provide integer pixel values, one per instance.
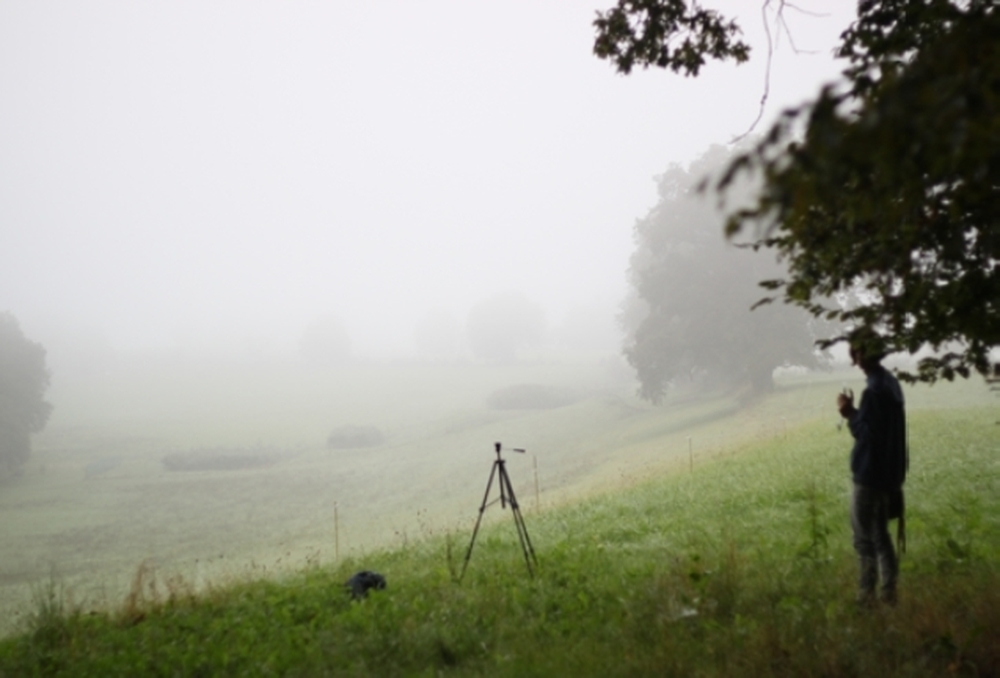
(696, 292)
(647, 32)
(48, 624)
(893, 188)
(890, 192)
(23, 381)
(687, 574)
(816, 549)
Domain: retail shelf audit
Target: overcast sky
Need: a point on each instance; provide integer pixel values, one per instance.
(223, 173)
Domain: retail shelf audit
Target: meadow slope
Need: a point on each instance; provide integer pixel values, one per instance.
(740, 565)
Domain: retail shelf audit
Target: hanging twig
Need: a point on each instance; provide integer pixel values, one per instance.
(780, 25)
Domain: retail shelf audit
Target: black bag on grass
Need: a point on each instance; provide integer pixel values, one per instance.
(361, 582)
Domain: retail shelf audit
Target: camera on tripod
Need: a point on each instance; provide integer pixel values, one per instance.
(499, 471)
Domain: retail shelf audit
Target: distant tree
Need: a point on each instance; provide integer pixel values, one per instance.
(690, 316)
(325, 342)
(24, 378)
(501, 326)
(887, 182)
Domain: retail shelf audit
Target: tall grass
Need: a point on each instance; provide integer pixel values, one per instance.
(742, 567)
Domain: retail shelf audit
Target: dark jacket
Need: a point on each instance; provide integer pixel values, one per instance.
(879, 457)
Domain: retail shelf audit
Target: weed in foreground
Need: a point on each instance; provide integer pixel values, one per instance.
(48, 623)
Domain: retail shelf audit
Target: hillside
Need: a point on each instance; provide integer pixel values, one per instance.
(742, 566)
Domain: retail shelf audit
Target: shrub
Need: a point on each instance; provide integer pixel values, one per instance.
(348, 437)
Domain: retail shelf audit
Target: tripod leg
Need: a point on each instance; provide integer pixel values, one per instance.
(522, 530)
(479, 519)
(527, 539)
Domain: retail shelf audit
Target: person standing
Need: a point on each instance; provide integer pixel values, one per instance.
(879, 461)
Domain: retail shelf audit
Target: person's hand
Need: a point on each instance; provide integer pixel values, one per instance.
(845, 402)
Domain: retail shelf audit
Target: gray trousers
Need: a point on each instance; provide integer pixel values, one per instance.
(876, 555)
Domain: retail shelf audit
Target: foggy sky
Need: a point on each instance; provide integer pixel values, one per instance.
(225, 173)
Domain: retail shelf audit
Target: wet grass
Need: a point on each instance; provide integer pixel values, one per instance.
(742, 567)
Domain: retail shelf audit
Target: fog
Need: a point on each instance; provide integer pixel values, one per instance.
(239, 228)
(183, 175)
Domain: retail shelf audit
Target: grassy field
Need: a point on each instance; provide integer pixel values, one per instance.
(742, 565)
(97, 500)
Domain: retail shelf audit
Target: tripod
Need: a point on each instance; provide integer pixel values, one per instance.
(499, 471)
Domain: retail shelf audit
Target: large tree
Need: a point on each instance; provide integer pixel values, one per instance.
(690, 315)
(23, 381)
(887, 183)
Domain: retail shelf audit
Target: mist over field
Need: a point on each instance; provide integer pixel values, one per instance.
(176, 176)
(243, 231)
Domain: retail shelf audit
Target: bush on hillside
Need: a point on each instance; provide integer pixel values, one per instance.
(349, 437)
